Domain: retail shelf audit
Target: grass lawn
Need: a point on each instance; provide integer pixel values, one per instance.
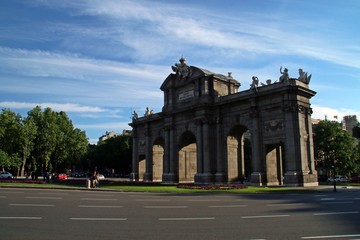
(159, 188)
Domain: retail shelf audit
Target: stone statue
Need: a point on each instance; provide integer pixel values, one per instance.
(303, 76)
(268, 82)
(284, 78)
(255, 83)
(148, 112)
(135, 116)
(182, 70)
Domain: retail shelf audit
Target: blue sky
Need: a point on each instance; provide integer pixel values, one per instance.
(100, 60)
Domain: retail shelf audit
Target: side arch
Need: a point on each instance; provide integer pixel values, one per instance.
(187, 159)
(158, 159)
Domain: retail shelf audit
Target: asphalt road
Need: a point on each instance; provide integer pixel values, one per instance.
(91, 214)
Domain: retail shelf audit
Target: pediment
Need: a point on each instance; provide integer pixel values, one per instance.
(173, 80)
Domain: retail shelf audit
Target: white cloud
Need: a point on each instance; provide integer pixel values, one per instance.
(112, 126)
(78, 79)
(153, 29)
(320, 112)
(66, 107)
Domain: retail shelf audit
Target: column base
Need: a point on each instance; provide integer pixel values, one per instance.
(204, 178)
(170, 178)
(148, 177)
(300, 179)
(220, 178)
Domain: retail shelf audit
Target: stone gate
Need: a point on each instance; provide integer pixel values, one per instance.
(199, 136)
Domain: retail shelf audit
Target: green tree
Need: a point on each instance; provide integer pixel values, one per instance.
(46, 137)
(333, 145)
(5, 160)
(113, 153)
(10, 133)
(57, 144)
(10, 125)
(356, 131)
(27, 136)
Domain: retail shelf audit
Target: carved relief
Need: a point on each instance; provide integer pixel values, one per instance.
(274, 125)
(297, 108)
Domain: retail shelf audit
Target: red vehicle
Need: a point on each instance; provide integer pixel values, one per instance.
(355, 179)
(61, 176)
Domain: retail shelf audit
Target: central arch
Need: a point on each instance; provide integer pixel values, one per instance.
(187, 157)
(238, 154)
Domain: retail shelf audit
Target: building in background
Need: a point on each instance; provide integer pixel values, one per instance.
(107, 136)
(349, 122)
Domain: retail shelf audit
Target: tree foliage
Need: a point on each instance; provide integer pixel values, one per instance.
(114, 153)
(47, 138)
(356, 131)
(333, 145)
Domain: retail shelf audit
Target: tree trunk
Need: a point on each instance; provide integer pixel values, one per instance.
(22, 174)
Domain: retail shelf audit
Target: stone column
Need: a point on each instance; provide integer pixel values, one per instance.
(166, 162)
(173, 175)
(207, 176)
(220, 172)
(149, 161)
(295, 144)
(309, 174)
(199, 151)
(134, 176)
(310, 150)
(257, 174)
(241, 156)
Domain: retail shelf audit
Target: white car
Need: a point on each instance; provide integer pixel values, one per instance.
(339, 178)
(100, 177)
(6, 175)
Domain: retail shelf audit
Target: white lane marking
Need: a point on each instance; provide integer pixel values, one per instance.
(334, 213)
(284, 204)
(54, 193)
(265, 216)
(165, 207)
(327, 199)
(21, 218)
(99, 199)
(30, 205)
(203, 200)
(332, 236)
(152, 200)
(186, 219)
(2, 196)
(49, 198)
(98, 219)
(2, 192)
(227, 206)
(337, 202)
(95, 206)
(96, 195)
